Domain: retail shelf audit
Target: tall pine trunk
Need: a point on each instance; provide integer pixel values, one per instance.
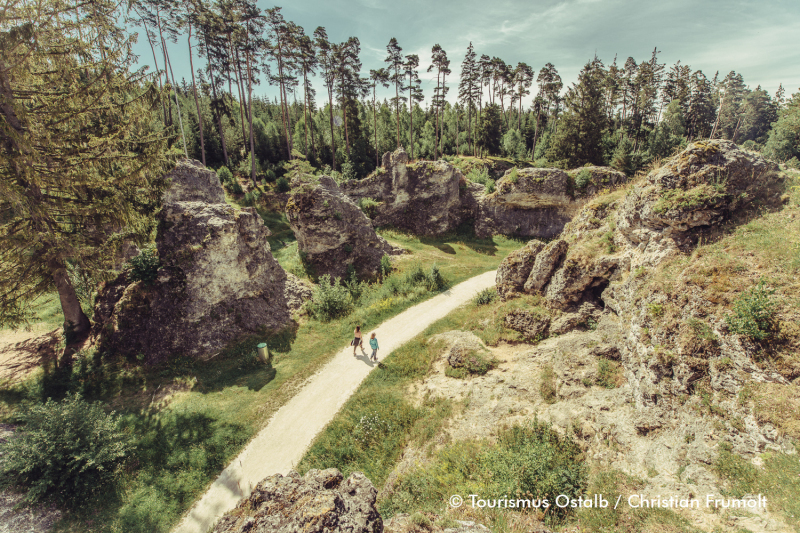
(250, 117)
(196, 101)
(76, 323)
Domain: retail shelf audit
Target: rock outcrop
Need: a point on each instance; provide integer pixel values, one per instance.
(319, 502)
(539, 202)
(425, 198)
(217, 279)
(333, 234)
(613, 244)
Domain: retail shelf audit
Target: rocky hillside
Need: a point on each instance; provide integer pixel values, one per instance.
(657, 333)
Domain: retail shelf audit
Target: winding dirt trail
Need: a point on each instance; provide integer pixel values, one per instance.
(282, 443)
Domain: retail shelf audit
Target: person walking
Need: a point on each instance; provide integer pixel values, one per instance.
(357, 340)
(373, 343)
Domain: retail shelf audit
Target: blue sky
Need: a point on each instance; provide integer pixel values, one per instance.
(756, 38)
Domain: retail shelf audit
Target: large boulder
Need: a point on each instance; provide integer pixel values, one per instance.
(333, 234)
(190, 181)
(217, 279)
(700, 186)
(539, 202)
(319, 502)
(425, 197)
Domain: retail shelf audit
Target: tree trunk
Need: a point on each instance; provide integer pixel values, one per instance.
(397, 107)
(250, 115)
(161, 36)
(76, 323)
(239, 89)
(411, 116)
(196, 101)
(375, 125)
(155, 62)
(305, 108)
(175, 92)
(330, 109)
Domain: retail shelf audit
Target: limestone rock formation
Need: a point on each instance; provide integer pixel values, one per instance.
(513, 272)
(544, 265)
(190, 181)
(531, 325)
(319, 502)
(217, 279)
(425, 198)
(332, 233)
(613, 244)
(538, 202)
(590, 180)
(700, 186)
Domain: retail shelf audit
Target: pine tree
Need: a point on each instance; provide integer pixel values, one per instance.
(414, 91)
(327, 61)
(80, 163)
(394, 62)
(440, 62)
(523, 79)
(469, 89)
(378, 77)
(579, 138)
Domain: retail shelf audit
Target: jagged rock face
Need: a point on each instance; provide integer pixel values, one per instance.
(544, 265)
(319, 502)
(531, 325)
(590, 180)
(425, 198)
(658, 218)
(190, 181)
(332, 232)
(513, 272)
(217, 280)
(698, 187)
(538, 202)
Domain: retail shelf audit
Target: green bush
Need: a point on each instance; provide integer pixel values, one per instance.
(224, 175)
(481, 176)
(583, 178)
(282, 185)
(386, 266)
(793, 163)
(251, 199)
(368, 206)
(144, 267)
(754, 313)
(67, 450)
(330, 300)
(486, 296)
(530, 461)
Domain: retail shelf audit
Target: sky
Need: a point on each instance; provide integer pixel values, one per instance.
(758, 39)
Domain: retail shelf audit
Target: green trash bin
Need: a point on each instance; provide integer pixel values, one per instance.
(263, 352)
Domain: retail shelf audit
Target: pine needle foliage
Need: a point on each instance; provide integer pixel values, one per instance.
(81, 152)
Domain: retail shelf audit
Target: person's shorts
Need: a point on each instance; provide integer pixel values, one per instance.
(356, 341)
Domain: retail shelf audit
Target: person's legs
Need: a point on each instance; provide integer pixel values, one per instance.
(374, 355)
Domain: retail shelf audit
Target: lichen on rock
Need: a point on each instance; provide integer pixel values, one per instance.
(217, 279)
(321, 501)
(333, 234)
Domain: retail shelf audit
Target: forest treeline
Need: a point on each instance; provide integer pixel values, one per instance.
(621, 114)
(86, 136)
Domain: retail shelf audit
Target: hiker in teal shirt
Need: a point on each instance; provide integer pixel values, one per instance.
(373, 343)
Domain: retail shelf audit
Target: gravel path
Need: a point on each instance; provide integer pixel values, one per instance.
(279, 447)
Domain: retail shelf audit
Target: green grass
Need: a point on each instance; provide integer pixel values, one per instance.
(778, 480)
(611, 483)
(212, 409)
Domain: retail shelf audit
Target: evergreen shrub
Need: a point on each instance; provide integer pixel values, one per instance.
(68, 450)
(144, 267)
(754, 313)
